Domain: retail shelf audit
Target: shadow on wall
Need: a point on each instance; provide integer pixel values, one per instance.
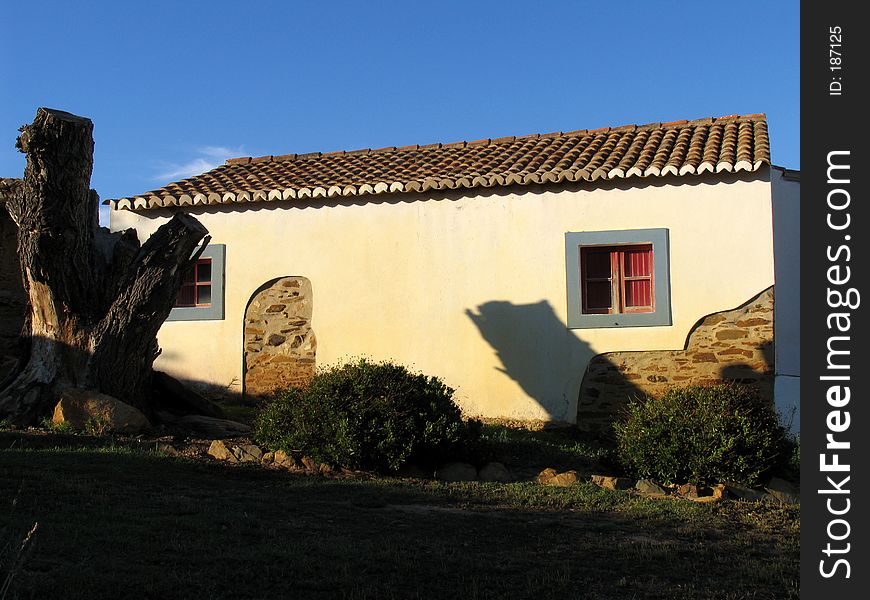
(538, 352)
(733, 345)
(568, 380)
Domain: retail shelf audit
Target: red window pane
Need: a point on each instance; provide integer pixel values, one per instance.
(638, 293)
(637, 262)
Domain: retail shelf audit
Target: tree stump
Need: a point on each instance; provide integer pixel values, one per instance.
(97, 299)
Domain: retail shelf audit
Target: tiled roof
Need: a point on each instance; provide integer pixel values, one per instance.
(734, 143)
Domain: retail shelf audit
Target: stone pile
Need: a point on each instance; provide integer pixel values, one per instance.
(777, 490)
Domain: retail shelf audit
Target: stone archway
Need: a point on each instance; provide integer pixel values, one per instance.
(280, 346)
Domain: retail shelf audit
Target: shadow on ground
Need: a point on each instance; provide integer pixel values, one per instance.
(126, 524)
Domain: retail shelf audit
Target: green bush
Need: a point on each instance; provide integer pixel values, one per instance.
(701, 434)
(365, 415)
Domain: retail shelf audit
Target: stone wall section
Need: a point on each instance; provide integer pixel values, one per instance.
(280, 346)
(13, 301)
(734, 345)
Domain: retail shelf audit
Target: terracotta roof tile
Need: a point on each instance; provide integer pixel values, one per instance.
(731, 143)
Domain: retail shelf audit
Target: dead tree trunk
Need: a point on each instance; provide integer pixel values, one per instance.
(97, 299)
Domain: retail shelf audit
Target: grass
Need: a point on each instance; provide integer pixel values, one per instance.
(118, 522)
(561, 449)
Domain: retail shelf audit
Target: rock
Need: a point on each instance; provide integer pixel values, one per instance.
(268, 458)
(184, 397)
(456, 471)
(166, 448)
(613, 483)
(309, 463)
(737, 492)
(704, 499)
(780, 490)
(80, 408)
(688, 490)
(551, 477)
(647, 487)
(247, 453)
(324, 469)
(545, 475)
(777, 496)
(284, 460)
(219, 451)
(495, 471)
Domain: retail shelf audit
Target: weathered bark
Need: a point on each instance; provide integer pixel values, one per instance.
(97, 299)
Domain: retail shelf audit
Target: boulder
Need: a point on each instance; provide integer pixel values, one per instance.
(268, 458)
(166, 448)
(546, 475)
(688, 490)
(219, 451)
(737, 492)
(80, 407)
(283, 460)
(551, 477)
(780, 490)
(456, 471)
(648, 487)
(613, 483)
(704, 499)
(309, 464)
(495, 471)
(247, 453)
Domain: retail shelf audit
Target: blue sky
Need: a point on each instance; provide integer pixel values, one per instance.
(175, 88)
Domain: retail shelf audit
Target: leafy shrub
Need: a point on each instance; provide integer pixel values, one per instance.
(701, 434)
(366, 415)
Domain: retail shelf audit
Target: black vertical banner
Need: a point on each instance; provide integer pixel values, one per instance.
(835, 302)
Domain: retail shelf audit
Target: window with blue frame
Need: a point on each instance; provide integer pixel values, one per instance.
(201, 297)
(618, 278)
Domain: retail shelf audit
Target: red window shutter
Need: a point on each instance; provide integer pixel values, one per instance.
(637, 274)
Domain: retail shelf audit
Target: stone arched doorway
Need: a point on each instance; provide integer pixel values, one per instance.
(280, 346)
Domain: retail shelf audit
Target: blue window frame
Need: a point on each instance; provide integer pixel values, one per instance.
(618, 244)
(202, 298)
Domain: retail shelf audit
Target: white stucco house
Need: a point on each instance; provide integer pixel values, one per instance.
(508, 267)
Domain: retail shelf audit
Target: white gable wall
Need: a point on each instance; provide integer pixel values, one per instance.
(472, 287)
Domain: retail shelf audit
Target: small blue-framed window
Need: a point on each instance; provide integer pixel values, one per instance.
(201, 297)
(618, 278)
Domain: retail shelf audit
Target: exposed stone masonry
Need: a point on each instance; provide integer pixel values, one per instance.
(734, 345)
(280, 346)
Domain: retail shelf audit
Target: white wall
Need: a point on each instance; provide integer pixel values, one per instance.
(786, 243)
(472, 287)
